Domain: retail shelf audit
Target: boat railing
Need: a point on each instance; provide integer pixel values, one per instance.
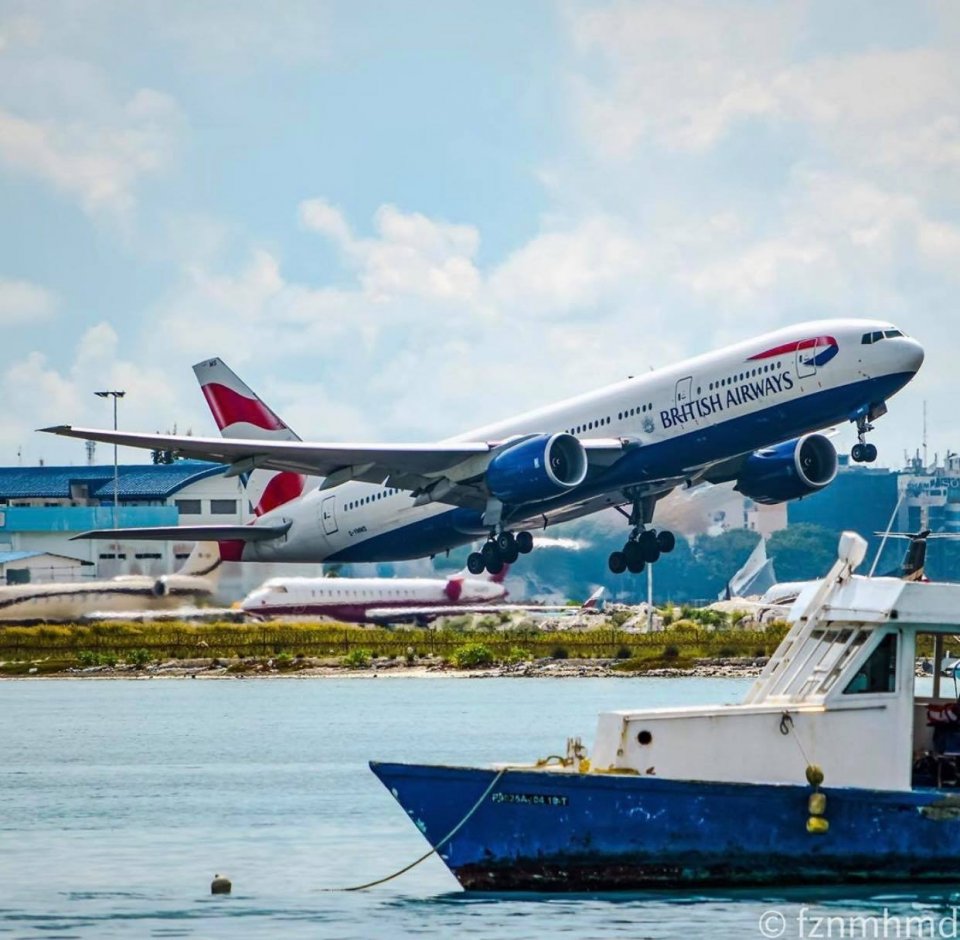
(802, 663)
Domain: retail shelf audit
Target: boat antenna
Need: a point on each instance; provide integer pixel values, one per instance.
(886, 534)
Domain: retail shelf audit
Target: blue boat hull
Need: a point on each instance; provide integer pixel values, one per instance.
(569, 832)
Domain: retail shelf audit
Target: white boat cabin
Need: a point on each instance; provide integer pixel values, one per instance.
(840, 692)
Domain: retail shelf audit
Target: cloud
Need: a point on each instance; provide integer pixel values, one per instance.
(686, 75)
(23, 302)
(577, 268)
(98, 162)
(679, 73)
(37, 393)
(68, 121)
(410, 254)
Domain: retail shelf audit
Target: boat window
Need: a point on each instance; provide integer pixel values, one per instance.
(879, 672)
(280, 589)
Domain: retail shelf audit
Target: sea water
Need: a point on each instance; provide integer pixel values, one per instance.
(121, 799)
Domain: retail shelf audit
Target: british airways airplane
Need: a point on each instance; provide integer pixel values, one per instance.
(748, 413)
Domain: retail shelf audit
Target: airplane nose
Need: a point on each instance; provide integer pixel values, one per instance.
(912, 354)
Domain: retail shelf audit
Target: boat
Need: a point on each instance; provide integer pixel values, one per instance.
(826, 772)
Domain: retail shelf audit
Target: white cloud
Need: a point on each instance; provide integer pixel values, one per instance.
(679, 72)
(65, 119)
(23, 302)
(97, 162)
(37, 393)
(575, 268)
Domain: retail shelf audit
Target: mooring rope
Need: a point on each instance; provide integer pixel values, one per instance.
(436, 848)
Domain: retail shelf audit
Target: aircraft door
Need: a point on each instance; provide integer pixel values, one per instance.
(683, 394)
(806, 359)
(328, 514)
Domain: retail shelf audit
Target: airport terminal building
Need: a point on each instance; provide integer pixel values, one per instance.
(42, 508)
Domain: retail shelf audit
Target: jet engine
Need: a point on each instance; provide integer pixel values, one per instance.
(159, 588)
(537, 469)
(790, 470)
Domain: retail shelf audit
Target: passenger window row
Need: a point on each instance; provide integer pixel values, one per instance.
(743, 376)
(373, 497)
(601, 422)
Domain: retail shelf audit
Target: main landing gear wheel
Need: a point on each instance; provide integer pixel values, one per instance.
(492, 559)
(507, 546)
(648, 546)
(642, 550)
(501, 549)
(666, 541)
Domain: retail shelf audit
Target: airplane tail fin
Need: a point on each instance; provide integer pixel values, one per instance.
(593, 602)
(240, 413)
(203, 562)
(915, 558)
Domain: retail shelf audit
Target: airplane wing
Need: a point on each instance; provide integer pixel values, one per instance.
(388, 614)
(436, 610)
(191, 533)
(447, 471)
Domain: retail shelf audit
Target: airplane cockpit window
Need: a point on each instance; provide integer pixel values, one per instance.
(890, 334)
(878, 335)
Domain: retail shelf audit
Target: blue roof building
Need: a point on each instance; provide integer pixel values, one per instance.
(136, 484)
(43, 508)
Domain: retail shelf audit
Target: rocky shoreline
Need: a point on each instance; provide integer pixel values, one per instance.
(306, 668)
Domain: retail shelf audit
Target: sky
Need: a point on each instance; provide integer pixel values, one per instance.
(399, 220)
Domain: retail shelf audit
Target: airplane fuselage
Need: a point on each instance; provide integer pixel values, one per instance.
(707, 409)
(350, 599)
(70, 601)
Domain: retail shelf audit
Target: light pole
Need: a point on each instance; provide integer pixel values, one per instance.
(116, 473)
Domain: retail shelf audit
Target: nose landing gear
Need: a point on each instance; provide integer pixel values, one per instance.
(862, 452)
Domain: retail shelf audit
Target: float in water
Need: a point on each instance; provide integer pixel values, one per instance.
(826, 772)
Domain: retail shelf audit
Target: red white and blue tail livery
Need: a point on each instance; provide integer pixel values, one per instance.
(748, 413)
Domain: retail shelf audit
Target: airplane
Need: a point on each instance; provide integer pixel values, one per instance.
(747, 413)
(72, 601)
(386, 600)
(358, 600)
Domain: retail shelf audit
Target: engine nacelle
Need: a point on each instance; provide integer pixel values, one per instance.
(536, 469)
(790, 470)
(159, 588)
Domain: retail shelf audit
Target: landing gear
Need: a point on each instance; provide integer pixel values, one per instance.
(524, 543)
(500, 549)
(507, 545)
(644, 546)
(862, 452)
